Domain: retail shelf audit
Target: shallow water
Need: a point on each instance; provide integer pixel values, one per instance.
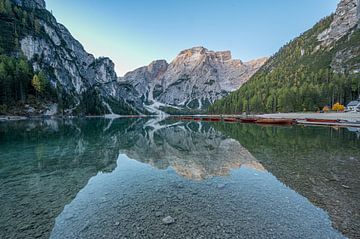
(101, 178)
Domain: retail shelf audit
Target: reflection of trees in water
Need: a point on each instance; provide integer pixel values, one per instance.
(319, 162)
(44, 164)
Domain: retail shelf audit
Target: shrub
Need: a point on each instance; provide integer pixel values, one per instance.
(338, 107)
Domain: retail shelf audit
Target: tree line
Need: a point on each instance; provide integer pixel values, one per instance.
(18, 82)
(299, 77)
(279, 92)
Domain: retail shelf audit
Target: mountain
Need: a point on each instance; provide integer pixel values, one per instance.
(192, 81)
(45, 69)
(318, 68)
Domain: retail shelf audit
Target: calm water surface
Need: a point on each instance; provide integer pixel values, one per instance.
(101, 178)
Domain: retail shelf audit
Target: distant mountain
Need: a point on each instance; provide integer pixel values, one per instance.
(69, 79)
(318, 68)
(192, 81)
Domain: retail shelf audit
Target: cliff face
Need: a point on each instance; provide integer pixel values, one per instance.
(347, 16)
(72, 71)
(193, 80)
(346, 24)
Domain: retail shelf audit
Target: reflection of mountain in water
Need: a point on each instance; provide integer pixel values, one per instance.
(132, 201)
(44, 164)
(319, 163)
(194, 150)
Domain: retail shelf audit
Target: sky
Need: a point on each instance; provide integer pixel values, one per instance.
(133, 33)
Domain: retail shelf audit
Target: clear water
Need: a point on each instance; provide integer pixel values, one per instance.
(99, 178)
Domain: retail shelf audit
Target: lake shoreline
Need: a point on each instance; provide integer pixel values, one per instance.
(299, 117)
(304, 116)
(5, 118)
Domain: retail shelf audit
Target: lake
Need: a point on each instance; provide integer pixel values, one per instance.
(151, 178)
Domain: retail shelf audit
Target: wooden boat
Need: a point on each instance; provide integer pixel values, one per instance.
(322, 121)
(232, 120)
(188, 118)
(212, 119)
(275, 121)
(248, 120)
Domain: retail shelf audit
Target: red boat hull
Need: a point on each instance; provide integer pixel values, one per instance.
(250, 120)
(322, 121)
(275, 121)
(231, 120)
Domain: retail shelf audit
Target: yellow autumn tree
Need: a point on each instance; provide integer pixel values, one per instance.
(338, 107)
(39, 82)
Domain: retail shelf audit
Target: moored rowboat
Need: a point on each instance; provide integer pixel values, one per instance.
(212, 119)
(275, 121)
(231, 120)
(248, 120)
(322, 121)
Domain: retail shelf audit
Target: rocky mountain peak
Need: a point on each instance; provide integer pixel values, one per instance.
(201, 53)
(224, 55)
(39, 4)
(157, 68)
(195, 50)
(347, 16)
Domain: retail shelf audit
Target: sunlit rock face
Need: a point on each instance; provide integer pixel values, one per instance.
(346, 18)
(194, 79)
(341, 35)
(194, 151)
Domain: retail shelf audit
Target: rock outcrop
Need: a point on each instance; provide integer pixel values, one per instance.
(346, 23)
(193, 80)
(347, 17)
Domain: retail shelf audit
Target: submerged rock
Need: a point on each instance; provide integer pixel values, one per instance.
(168, 220)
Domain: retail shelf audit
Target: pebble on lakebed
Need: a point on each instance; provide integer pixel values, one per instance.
(168, 220)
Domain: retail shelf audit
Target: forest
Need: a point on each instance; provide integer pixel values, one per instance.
(19, 84)
(298, 78)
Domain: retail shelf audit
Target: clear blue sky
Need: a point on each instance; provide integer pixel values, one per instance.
(135, 32)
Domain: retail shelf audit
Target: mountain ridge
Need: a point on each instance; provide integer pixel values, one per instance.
(193, 80)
